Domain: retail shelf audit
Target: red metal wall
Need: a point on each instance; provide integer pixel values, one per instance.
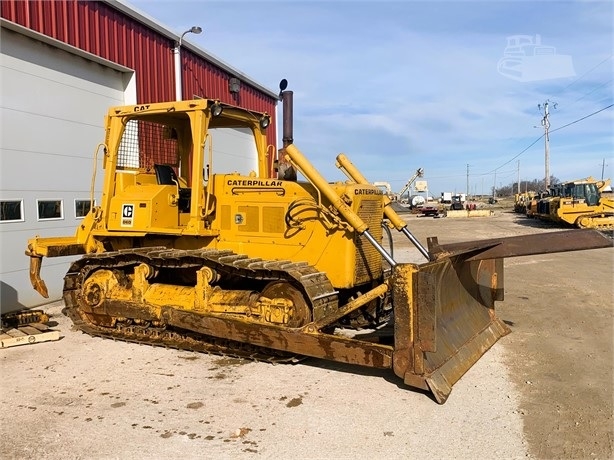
(98, 28)
(206, 80)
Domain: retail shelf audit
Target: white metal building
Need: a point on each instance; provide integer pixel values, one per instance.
(56, 85)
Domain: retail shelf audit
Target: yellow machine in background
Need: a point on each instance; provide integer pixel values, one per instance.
(522, 200)
(181, 253)
(579, 202)
(531, 205)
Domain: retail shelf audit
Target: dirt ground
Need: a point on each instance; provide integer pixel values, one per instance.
(562, 351)
(560, 354)
(544, 391)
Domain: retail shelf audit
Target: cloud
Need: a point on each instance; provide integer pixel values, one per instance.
(402, 85)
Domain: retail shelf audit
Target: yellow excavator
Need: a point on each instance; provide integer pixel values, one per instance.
(182, 253)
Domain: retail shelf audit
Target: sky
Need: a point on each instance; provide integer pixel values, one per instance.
(403, 85)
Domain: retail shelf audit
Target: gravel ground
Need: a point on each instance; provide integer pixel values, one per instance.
(84, 397)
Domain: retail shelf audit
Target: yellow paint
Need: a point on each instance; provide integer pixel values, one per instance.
(256, 215)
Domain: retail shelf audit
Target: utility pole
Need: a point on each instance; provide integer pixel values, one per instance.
(546, 125)
(467, 195)
(602, 168)
(494, 187)
(518, 176)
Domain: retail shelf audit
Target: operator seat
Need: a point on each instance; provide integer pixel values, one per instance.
(165, 175)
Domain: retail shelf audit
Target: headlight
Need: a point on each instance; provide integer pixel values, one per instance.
(216, 109)
(265, 121)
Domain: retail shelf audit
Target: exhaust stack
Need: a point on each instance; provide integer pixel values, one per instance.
(288, 121)
(285, 170)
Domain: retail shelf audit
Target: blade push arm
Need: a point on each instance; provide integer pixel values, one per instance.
(354, 174)
(307, 169)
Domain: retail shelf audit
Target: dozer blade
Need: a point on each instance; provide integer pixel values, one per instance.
(444, 317)
(514, 246)
(444, 320)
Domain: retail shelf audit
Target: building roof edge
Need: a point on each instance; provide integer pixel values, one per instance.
(130, 10)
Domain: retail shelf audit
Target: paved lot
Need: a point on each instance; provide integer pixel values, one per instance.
(544, 391)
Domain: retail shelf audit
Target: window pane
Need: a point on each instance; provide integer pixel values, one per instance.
(51, 209)
(10, 210)
(82, 207)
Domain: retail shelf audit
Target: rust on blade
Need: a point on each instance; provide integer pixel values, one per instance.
(445, 320)
(514, 246)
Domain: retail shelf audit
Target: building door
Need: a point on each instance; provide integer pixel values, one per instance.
(51, 119)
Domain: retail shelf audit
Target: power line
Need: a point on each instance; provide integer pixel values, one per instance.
(587, 72)
(516, 156)
(511, 171)
(580, 78)
(524, 150)
(451, 176)
(576, 121)
(583, 118)
(591, 92)
(551, 131)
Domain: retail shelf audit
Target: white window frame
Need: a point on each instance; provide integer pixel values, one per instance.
(75, 207)
(21, 211)
(46, 219)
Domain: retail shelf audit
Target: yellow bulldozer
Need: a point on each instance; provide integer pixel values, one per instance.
(180, 253)
(580, 203)
(522, 200)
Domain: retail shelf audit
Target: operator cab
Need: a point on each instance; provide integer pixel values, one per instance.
(163, 157)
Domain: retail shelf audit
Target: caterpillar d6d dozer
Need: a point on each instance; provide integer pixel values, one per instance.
(182, 254)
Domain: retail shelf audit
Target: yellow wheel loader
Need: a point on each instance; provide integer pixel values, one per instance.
(183, 251)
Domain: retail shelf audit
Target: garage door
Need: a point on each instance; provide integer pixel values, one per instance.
(51, 119)
(234, 150)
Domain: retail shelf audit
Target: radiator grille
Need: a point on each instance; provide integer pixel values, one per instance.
(368, 259)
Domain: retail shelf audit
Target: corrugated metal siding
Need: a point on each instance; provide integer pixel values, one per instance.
(204, 79)
(99, 29)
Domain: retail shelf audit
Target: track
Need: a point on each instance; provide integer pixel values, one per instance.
(598, 221)
(314, 285)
